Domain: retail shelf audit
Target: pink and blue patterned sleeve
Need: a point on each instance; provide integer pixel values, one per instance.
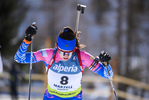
(22, 56)
(87, 60)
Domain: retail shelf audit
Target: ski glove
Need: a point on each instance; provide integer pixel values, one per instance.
(30, 32)
(104, 57)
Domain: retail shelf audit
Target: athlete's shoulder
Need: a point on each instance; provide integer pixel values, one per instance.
(46, 50)
(86, 55)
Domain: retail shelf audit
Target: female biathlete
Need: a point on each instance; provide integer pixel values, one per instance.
(64, 64)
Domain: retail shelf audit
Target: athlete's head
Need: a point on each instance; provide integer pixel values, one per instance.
(67, 39)
(67, 42)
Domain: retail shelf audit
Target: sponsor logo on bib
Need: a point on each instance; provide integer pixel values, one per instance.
(59, 68)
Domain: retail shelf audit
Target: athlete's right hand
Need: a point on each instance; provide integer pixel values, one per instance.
(31, 32)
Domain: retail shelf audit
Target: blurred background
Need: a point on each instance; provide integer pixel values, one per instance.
(119, 27)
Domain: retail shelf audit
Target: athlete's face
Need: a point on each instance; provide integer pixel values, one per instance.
(65, 55)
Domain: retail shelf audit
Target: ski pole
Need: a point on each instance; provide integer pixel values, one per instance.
(110, 78)
(30, 71)
(80, 9)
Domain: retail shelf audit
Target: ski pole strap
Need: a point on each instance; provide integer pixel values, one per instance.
(94, 63)
(79, 58)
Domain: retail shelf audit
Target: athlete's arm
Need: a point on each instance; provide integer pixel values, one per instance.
(22, 56)
(100, 69)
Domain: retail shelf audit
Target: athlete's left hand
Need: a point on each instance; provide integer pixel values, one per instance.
(104, 57)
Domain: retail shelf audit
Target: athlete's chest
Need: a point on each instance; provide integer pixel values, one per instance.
(70, 66)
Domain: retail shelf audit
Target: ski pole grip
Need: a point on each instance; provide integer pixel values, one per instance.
(81, 8)
(35, 27)
(34, 23)
(102, 52)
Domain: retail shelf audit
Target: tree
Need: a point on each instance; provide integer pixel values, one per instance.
(131, 36)
(134, 38)
(11, 14)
